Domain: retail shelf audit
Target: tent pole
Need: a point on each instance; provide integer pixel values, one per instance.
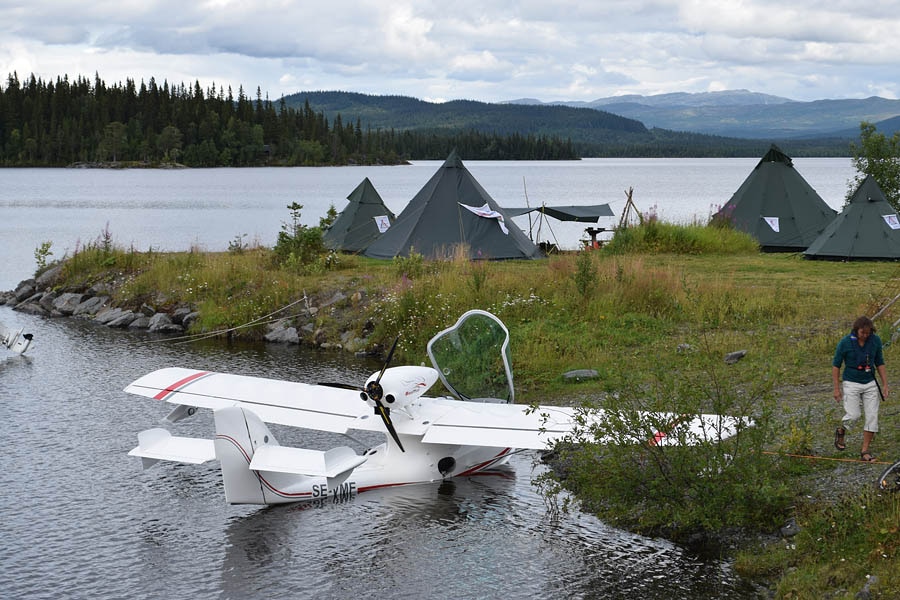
(527, 205)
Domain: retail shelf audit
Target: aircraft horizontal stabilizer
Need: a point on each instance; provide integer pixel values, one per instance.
(300, 461)
(158, 444)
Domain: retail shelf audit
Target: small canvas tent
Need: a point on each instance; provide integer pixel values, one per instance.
(777, 206)
(867, 229)
(361, 222)
(453, 210)
(581, 214)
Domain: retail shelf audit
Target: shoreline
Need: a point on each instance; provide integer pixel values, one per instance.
(38, 296)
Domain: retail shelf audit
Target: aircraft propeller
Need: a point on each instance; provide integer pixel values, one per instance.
(375, 392)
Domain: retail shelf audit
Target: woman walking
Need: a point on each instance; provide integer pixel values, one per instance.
(861, 354)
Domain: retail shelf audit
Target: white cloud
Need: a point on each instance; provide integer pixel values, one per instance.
(565, 50)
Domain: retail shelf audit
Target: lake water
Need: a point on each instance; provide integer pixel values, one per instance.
(209, 208)
(80, 518)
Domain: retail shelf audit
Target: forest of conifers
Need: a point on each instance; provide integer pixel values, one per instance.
(61, 123)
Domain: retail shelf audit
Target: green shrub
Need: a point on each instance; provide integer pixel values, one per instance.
(692, 486)
(654, 236)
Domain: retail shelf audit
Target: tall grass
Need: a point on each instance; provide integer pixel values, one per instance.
(653, 235)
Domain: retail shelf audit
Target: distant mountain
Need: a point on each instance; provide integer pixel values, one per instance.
(745, 114)
(726, 98)
(735, 123)
(403, 113)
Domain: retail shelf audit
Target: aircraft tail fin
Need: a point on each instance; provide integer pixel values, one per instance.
(17, 341)
(257, 470)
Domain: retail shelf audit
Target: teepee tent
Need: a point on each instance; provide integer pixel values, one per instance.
(777, 206)
(450, 211)
(867, 229)
(361, 222)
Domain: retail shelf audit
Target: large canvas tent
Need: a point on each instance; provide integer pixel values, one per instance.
(867, 229)
(453, 210)
(777, 206)
(361, 222)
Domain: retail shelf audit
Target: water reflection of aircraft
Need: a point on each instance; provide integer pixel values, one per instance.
(425, 439)
(15, 340)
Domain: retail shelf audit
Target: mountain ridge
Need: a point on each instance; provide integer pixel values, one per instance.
(729, 123)
(744, 114)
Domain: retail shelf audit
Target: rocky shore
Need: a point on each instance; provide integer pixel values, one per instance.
(46, 296)
(39, 297)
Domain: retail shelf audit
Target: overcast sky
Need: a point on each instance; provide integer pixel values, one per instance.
(471, 49)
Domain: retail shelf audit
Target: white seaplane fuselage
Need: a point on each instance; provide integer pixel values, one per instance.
(384, 466)
(426, 439)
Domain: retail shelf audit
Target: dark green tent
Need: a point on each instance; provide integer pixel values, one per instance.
(777, 206)
(867, 229)
(450, 211)
(361, 222)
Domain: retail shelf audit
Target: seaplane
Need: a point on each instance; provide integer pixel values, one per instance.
(15, 339)
(475, 429)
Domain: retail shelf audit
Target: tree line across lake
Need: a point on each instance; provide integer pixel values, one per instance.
(52, 124)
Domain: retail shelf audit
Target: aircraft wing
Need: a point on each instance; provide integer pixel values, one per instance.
(518, 426)
(274, 401)
(436, 420)
(499, 425)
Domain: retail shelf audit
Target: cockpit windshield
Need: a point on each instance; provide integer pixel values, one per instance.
(472, 358)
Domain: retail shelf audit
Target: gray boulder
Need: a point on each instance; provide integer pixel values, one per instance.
(733, 357)
(280, 333)
(67, 303)
(91, 306)
(32, 308)
(162, 323)
(124, 319)
(48, 277)
(179, 314)
(581, 374)
(189, 319)
(47, 300)
(25, 290)
(108, 314)
(142, 322)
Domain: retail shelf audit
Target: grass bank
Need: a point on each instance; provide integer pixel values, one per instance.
(656, 326)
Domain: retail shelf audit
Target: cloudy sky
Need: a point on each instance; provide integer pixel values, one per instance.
(488, 50)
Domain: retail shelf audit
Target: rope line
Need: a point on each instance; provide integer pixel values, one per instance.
(263, 320)
(810, 457)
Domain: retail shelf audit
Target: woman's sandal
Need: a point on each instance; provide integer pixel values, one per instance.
(839, 438)
(867, 457)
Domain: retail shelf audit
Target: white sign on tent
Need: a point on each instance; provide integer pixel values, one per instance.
(773, 223)
(382, 222)
(892, 221)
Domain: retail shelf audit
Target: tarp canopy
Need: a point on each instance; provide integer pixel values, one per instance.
(581, 214)
(867, 229)
(453, 210)
(777, 206)
(361, 222)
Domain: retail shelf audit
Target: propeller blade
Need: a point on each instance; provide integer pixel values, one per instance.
(343, 386)
(385, 416)
(390, 355)
(373, 388)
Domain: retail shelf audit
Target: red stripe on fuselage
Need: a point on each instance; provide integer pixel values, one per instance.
(178, 385)
(485, 464)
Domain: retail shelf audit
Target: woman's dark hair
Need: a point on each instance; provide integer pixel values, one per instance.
(863, 323)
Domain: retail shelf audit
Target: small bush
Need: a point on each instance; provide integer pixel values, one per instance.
(298, 246)
(585, 274)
